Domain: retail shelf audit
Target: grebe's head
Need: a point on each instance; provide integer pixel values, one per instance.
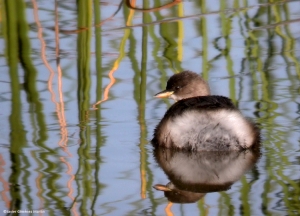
(183, 85)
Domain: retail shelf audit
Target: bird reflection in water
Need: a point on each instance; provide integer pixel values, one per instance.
(203, 142)
(193, 174)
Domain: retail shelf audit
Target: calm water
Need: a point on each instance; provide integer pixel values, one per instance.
(77, 107)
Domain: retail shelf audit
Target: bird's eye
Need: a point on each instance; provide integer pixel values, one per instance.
(177, 87)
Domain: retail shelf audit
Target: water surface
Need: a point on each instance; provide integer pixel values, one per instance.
(77, 107)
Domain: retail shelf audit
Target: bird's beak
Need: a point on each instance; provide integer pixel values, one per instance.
(164, 94)
(161, 187)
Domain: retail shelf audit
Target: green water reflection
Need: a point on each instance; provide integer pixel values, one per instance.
(77, 108)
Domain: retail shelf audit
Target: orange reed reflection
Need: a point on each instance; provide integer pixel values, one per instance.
(59, 105)
(5, 184)
(112, 81)
(168, 209)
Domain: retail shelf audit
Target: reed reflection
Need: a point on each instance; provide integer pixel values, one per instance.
(193, 174)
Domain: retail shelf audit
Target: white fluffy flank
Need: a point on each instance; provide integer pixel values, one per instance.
(226, 127)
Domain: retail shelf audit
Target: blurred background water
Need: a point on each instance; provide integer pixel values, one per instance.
(77, 109)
